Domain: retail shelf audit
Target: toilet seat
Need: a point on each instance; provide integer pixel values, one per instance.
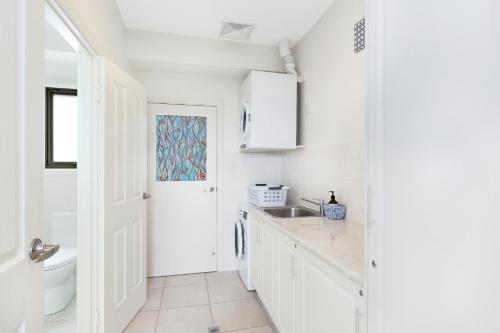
(63, 257)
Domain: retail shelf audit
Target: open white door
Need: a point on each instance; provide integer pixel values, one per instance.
(122, 232)
(21, 167)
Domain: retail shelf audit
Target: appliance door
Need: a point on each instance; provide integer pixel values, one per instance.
(245, 123)
(237, 240)
(244, 240)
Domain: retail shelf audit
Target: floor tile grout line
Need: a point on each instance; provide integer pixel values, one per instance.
(186, 306)
(185, 285)
(209, 301)
(248, 328)
(161, 301)
(234, 300)
(197, 305)
(58, 320)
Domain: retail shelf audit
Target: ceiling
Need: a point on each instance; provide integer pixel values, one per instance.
(273, 19)
(54, 41)
(61, 60)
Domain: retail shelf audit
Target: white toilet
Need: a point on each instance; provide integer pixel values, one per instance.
(60, 270)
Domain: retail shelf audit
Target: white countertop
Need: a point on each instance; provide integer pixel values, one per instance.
(339, 243)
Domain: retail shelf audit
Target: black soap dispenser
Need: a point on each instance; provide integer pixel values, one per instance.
(332, 199)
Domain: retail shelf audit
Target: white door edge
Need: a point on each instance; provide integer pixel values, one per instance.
(374, 111)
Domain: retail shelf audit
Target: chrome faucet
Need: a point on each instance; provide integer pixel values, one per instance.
(318, 202)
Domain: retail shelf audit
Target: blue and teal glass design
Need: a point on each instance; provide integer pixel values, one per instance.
(181, 148)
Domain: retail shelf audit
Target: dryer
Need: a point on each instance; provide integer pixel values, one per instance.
(268, 120)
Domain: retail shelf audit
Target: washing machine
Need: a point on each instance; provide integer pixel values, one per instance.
(241, 247)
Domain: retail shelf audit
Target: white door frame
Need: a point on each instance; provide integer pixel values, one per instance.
(169, 100)
(88, 209)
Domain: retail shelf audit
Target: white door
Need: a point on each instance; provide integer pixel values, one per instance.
(22, 162)
(122, 245)
(182, 179)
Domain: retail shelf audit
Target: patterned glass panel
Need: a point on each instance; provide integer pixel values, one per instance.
(181, 148)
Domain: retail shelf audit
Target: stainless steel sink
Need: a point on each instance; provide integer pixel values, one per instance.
(291, 211)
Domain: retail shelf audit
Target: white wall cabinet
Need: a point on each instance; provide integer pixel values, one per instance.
(300, 291)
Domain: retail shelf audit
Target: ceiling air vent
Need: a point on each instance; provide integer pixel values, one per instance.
(235, 31)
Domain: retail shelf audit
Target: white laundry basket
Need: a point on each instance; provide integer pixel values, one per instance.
(268, 196)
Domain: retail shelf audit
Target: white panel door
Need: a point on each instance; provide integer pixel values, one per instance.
(182, 178)
(123, 224)
(22, 162)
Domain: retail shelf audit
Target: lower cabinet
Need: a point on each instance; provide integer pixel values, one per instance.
(325, 304)
(266, 289)
(254, 251)
(301, 292)
(285, 264)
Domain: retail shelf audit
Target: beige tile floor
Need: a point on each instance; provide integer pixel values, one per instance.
(193, 303)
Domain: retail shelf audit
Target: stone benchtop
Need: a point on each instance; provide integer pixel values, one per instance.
(339, 243)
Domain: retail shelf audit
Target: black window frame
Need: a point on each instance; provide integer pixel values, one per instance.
(49, 128)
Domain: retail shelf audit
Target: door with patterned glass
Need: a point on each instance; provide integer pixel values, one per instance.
(122, 241)
(182, 180)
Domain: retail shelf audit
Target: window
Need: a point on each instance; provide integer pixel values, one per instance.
(60, 128)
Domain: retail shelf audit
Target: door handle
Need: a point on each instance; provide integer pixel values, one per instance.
(40, 252)
(146, 196)
(210, 189)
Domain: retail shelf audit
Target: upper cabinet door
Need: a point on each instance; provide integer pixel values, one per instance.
(124, 166)
(21, 168)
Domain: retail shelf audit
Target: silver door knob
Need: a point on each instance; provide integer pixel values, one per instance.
(210, 189)
(146, 196)
(40, 252)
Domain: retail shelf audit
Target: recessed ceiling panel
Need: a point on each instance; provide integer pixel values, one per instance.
(273, 19)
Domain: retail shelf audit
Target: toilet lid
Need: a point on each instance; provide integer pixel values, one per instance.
(63, 257)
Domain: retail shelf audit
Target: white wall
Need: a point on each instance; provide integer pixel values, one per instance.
(60, 194)
(236, 170)
(332, 112)
(101, 24)
(439, 182)
(60, 185)
(147, 49)
(61, 69)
